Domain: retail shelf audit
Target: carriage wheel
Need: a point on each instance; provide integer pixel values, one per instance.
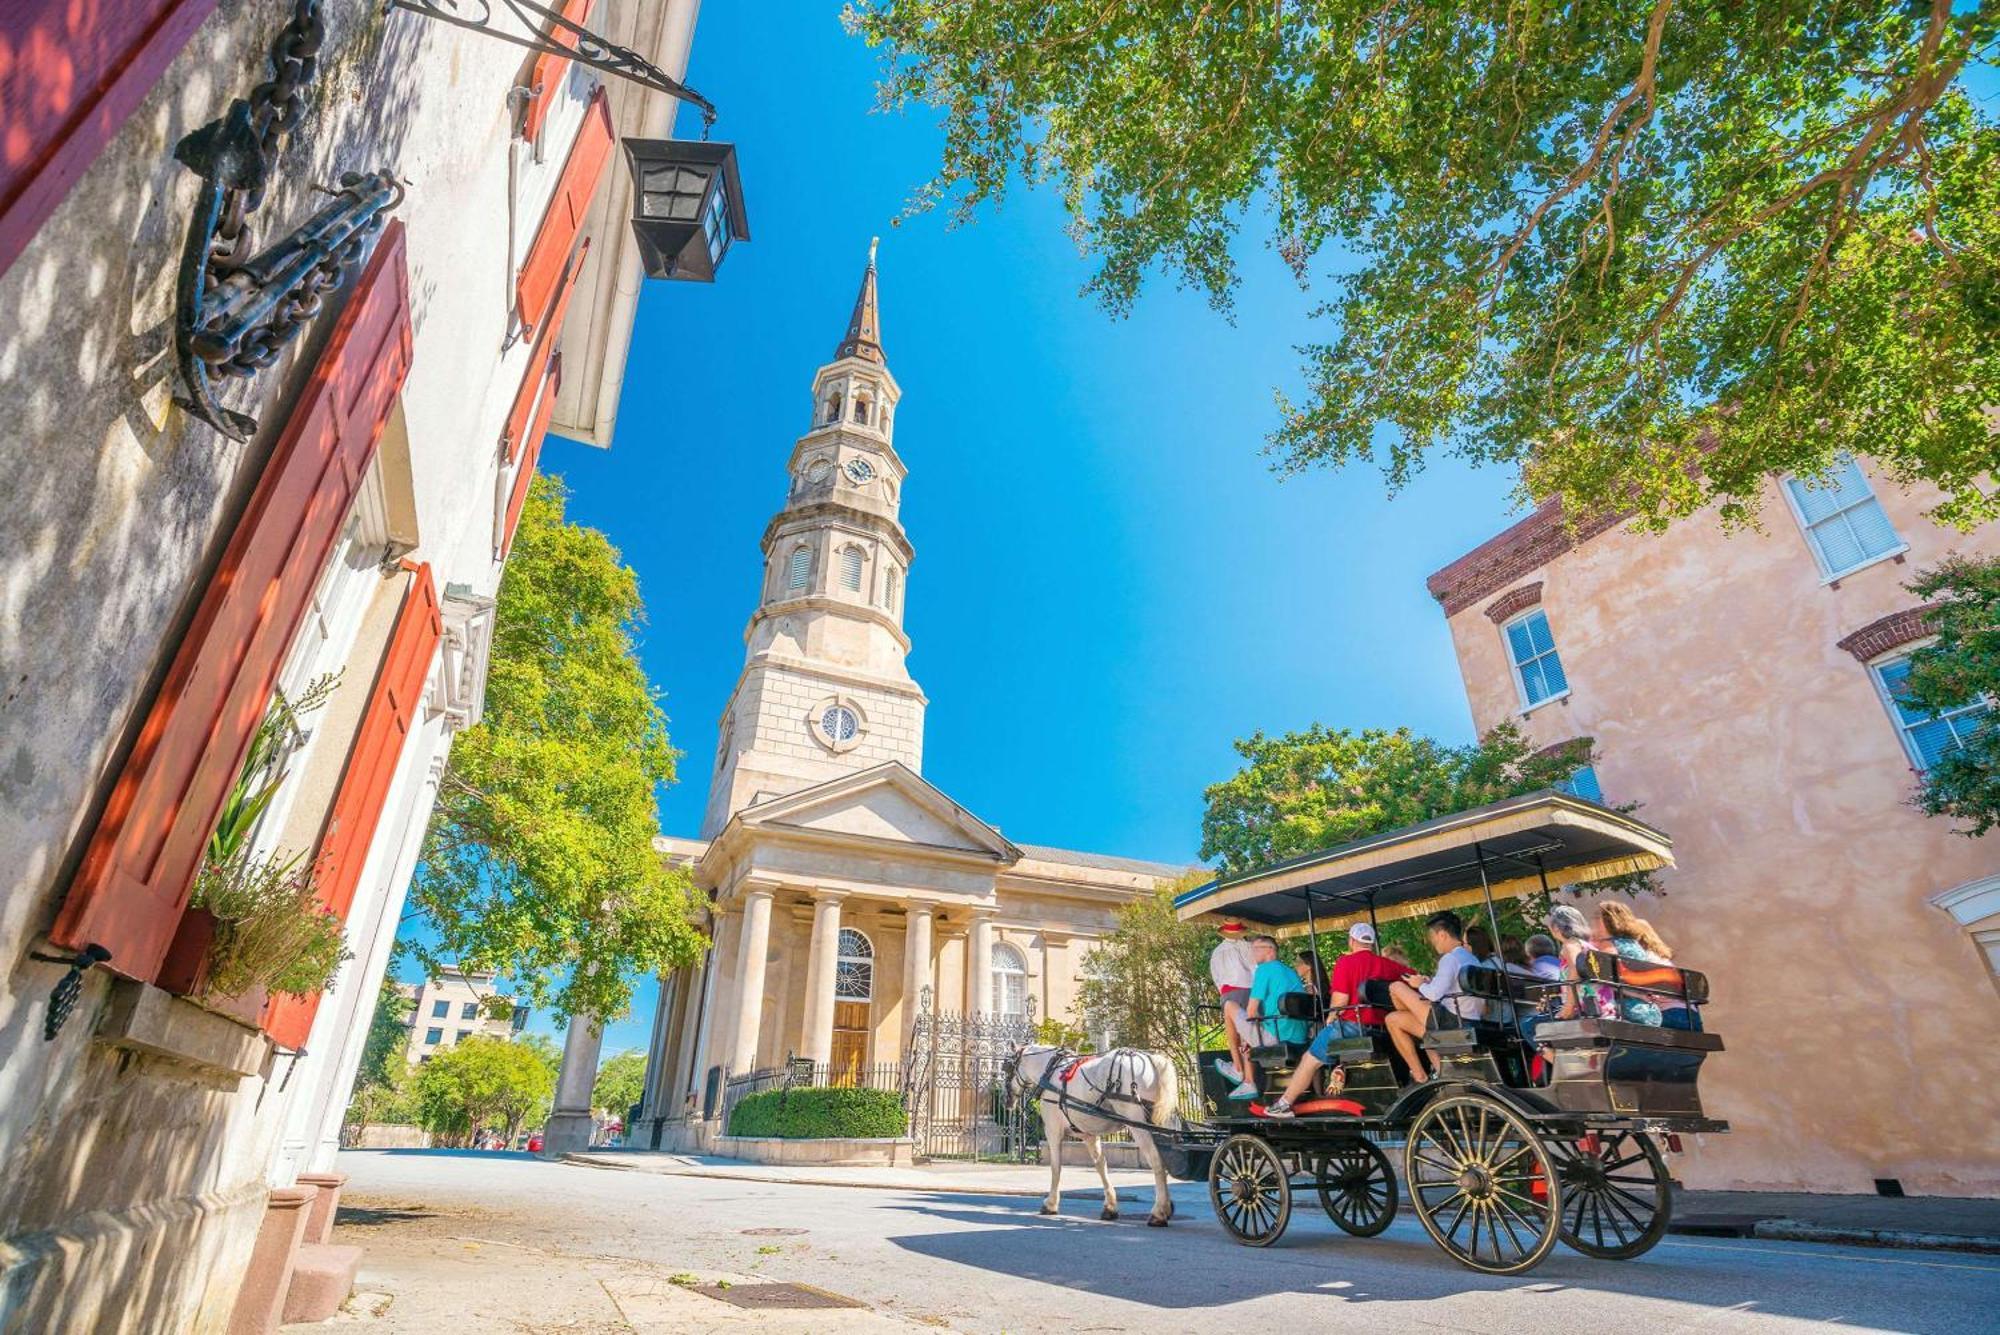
(1251, 1189)
(1483, 1184)
(1357, 1187)
(1615, 1203)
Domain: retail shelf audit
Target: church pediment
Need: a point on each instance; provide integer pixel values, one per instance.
(889, 803)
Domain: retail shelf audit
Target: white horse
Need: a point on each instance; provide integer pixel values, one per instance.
(1127, 1082)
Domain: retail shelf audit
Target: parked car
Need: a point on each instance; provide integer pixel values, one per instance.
(534, 1142)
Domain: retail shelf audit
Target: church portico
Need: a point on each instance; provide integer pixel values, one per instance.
(842, 884)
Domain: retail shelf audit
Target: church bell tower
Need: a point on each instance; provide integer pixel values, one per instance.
(824, 689)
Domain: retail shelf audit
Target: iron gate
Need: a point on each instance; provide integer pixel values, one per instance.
(956, 1093)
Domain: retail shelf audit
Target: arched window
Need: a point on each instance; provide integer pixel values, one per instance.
(1010, 981)
(850, 568)
(892, 587)
(833, 409)
(798, 571)
(854, 967)
(860, 410)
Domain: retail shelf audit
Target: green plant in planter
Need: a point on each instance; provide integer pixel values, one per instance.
(271, 930)
(263, 772)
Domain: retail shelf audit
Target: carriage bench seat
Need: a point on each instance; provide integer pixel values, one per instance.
(1596, 1033)
(1278, 1054)
(1369, 1047)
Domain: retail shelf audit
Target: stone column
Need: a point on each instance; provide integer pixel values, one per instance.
(916, 966)
(822, 972)
(571, 1123)
(979, 967)
(750, 979)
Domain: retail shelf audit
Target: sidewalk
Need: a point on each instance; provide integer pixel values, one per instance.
(1938, 1222)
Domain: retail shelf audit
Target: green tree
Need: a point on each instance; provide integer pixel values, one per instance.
(392, 1099)
(1142, 982)
(1649, 253)
(483, 1082)
(620, 1081)
(383, 1053)
(1962, 665)
(539, 862)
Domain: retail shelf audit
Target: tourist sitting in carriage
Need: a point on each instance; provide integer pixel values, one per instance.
(1264, 1018)
(1346, 1016)
(1416, 997)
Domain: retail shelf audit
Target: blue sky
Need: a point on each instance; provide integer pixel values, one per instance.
(1110, 585)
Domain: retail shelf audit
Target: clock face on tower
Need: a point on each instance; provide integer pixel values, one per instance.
(859, 471)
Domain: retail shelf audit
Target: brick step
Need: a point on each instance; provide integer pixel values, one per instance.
(322, 1277)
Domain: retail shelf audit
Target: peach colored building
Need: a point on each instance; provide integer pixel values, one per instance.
(1739, 688)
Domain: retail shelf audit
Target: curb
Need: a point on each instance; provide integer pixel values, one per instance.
(1796, 1230)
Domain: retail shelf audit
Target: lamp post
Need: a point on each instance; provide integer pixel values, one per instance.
(687, 206)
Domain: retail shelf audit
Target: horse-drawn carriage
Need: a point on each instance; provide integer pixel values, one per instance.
(1515, 1145)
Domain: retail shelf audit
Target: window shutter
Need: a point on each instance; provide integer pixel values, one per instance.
(549, 71)
(69, 76)
(527, 396)
(549, 251)
(140, 865)
(850, 567)
(386, 724)
(531, 453)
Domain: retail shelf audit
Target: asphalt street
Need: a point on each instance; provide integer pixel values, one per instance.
(991, 1264)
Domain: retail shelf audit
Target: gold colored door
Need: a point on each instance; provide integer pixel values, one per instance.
(850, 1041)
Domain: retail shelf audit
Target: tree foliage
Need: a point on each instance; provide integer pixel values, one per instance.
(1648, 252)
(483, 1083)
(1141, 983)
(620, 1082)
(1304, 791)
(539, 862)
(384, 1051)
(1961, 665)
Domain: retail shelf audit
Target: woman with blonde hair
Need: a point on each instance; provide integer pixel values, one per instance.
(1633, 938)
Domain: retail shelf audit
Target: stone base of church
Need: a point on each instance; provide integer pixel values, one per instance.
(887, 1153)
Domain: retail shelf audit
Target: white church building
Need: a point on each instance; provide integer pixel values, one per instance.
(842, 882)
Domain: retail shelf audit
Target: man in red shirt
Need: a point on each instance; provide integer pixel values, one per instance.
(1347, 1017)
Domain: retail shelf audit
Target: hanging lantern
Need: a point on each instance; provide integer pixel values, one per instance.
(687, 206)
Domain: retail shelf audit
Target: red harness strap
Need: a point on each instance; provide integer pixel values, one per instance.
(1069, 1071)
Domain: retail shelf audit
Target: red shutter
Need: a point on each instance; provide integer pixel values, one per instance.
(141, 862)
(549, 72)
(71, 71)
(531, 453)
(549, 251)
(386, 724)
(538, 363)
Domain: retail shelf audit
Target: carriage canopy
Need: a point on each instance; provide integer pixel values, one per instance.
(1514, 847)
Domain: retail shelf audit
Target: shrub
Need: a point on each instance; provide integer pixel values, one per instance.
(820, 1114)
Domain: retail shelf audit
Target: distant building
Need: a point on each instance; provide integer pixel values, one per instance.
(1743, 690)
(454, 1006)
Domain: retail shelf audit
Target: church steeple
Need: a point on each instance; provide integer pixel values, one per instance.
(864, 327)
(825, 690)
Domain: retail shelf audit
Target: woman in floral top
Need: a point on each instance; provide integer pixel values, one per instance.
(1633, 938)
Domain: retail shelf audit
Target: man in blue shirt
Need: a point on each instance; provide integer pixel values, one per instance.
(1265, 1020)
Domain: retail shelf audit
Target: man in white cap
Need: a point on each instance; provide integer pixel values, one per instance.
(1231, 966)
(1347, 1016)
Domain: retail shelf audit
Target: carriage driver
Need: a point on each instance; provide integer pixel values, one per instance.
(1231, 966)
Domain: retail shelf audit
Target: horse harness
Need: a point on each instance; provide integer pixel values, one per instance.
(1123, 1084)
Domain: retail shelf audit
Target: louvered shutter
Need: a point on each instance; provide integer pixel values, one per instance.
(140, 865)
(545, 81)
(531, 453)
(388, 720)
(70, 74)
(549, 252)
(529, 394)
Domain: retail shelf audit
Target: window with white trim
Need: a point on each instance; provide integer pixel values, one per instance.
(798, 570)
(1538, 670)
(854, 967)
(1010, 981)
(1927, 736)
(1844, 524)
(850, 568)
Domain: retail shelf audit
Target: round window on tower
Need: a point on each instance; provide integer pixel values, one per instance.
(836, 723)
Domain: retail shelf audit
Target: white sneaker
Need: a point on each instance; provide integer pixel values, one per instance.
(1246, 1090)
(1227, 1069)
